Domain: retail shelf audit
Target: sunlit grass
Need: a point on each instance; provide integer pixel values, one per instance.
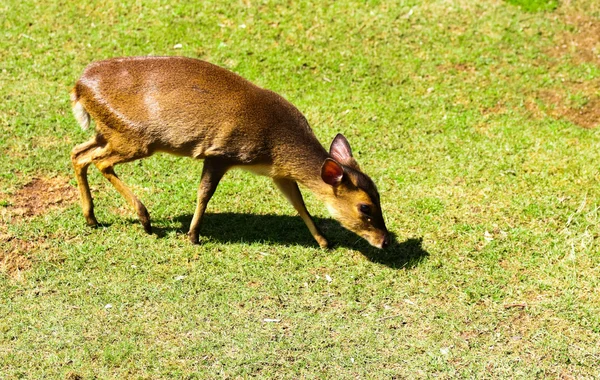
(492, 196)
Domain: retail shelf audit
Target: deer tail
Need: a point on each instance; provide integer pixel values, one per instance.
(82, 116)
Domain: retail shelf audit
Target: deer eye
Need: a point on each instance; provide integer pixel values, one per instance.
(365, 209)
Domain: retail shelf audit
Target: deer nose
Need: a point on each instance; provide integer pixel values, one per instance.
(386, 241)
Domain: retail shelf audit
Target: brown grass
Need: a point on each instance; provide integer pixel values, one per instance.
(582, 44)
(42, 194)
(37, 197)
(558, 103)
(13, 258)
(577, 102)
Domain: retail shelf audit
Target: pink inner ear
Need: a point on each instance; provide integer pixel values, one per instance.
(340, 149)
(332, 172)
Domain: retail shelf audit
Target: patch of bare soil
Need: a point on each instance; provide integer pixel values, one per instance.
(462, 67)
(587, 116)
(42, 194)
(577, 102)
(35, 198)
(582, 44)
(499, 108)
(13, 260)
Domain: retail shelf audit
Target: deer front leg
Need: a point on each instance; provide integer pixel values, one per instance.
(212, 172)
(143, 216)
(289, 188)
(81, 157)
(109, 155)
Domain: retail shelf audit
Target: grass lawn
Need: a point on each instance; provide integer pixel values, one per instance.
(476, 118)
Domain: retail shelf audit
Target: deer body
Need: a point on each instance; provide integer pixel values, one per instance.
(193, 108)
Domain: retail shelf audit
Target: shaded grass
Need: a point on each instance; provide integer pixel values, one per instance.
(493, 205)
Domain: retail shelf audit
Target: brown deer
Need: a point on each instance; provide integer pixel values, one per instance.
(188, 107)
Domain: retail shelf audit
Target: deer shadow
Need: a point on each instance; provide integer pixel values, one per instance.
(291, 230)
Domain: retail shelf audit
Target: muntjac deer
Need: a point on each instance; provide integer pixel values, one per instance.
(192, 108)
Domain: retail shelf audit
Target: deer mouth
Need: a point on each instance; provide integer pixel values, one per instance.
(380, 241)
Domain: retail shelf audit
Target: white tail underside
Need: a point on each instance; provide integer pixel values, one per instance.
(82, 116)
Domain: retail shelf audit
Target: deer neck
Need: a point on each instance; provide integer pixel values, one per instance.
(305, 167)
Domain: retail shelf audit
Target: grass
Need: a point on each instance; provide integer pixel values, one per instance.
(536, 5)
(453, 108)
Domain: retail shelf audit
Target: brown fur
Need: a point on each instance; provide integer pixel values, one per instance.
(192, 108)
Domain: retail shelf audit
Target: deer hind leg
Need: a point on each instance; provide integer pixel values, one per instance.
(106, 158)
(81, 158)
(289, 188)
(212, 172)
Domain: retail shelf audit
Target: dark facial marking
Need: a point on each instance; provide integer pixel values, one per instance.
(364, 183)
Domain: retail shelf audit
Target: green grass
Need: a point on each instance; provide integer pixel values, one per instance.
(535, 5)
(493, 202)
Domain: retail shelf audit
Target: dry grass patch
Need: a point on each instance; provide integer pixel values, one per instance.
(575, 101)
(13, 258)
(582, 44)
(40, 195)
(35, 198)
(578, 103)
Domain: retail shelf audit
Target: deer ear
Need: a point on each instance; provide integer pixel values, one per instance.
(340, 151)
(332, 172)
